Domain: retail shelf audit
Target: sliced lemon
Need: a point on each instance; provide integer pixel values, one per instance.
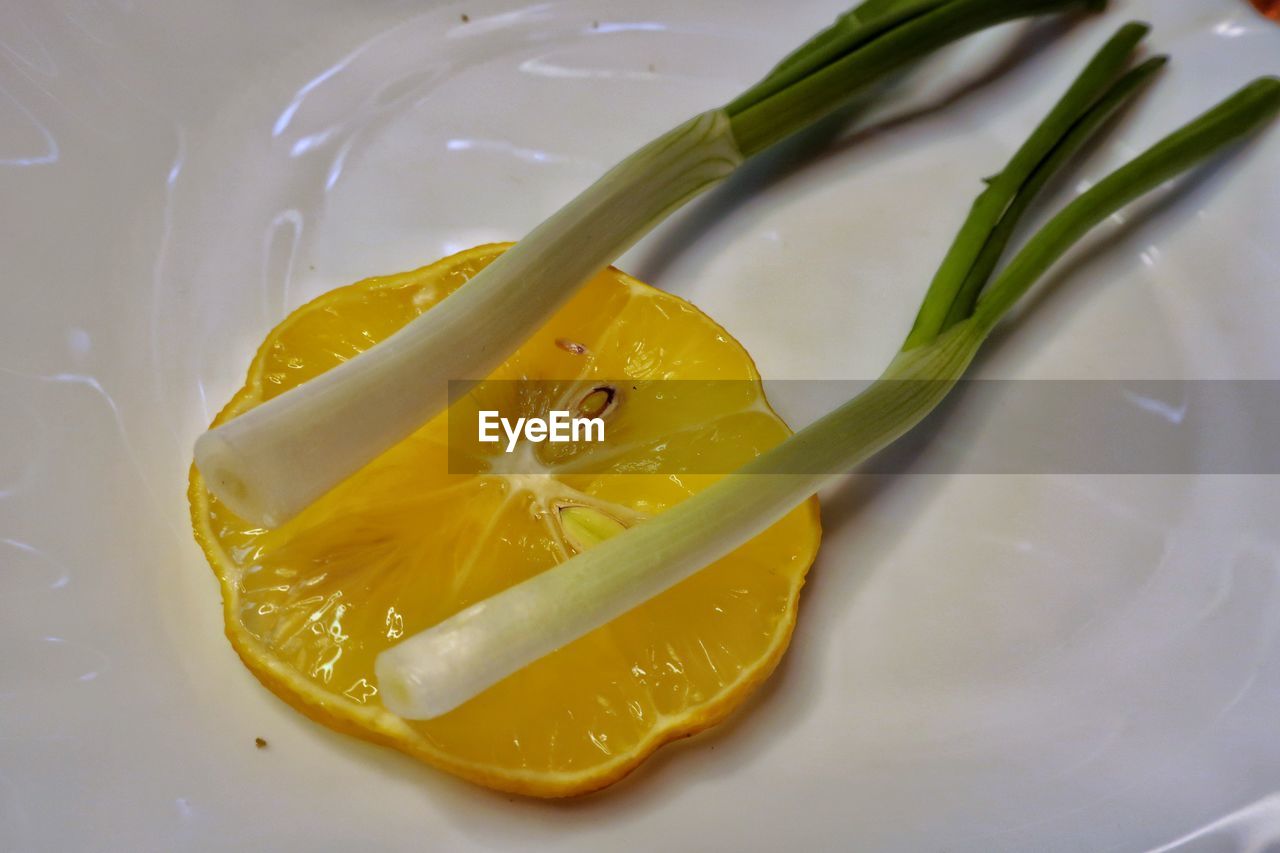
(407, 541)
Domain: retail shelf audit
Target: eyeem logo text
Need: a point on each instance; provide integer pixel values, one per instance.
(558, 427)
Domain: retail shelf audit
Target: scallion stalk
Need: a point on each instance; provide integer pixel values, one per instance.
(1004, 188)
(437, 670)
(1084, 129)
(272, 461)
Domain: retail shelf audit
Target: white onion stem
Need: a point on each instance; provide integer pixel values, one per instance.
(271, 462)
(437, 670)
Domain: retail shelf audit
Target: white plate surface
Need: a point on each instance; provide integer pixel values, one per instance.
(982, 663)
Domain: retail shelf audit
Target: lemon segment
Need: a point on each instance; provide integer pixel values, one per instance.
(408, 542)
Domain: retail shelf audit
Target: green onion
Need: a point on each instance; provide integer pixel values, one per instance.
(435, 671)
(1242, 114)
(816, 79)
(1084, 129)
(271, 462)
(1004, 188)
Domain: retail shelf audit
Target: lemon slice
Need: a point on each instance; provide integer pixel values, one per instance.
(410, 539)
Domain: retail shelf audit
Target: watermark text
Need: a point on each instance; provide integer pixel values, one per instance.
(558, 427)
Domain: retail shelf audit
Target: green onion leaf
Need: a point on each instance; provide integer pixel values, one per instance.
(1241, 115)
(1081, 132)
(1002, 189)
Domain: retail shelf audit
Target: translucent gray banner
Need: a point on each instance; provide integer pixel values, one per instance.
(984, 427)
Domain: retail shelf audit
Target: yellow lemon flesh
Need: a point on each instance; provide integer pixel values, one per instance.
(407, 541)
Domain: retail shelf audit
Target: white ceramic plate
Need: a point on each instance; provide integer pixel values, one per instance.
(982, 663)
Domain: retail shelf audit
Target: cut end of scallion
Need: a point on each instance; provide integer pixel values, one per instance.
(220, 467)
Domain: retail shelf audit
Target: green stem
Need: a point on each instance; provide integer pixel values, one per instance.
(875, 8)
(1002, 189)
(1231, 121)
(757, 124)
(848, 34)
(844, 23)
(1080, 134)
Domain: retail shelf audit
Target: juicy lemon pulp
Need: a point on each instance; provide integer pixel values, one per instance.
(407, 541)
